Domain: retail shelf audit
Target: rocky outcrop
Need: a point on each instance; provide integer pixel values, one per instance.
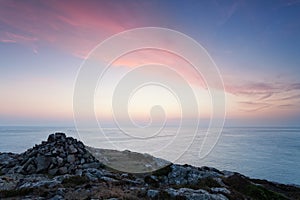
(58, 155)
(63, 168)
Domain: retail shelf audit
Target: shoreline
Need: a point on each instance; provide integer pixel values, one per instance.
(279, 164)
(64, 164)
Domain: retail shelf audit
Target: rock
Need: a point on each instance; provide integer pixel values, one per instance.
(189, 175)
(42, 163)
(60, 136)
(91, 165)
(8, 182)
(63, 170)
(53, 171)
(71, 158)
(39, 184)
(58, 155)
(51, 138)
(108, 179)
(57, 197)
(220, 190)
(91, 177)
(59, 161)
(152, 180)
(72, 149)
(96, 172)
(191, 194)
(28, 162)
(227, 173)
(152, 194)
(31, 169)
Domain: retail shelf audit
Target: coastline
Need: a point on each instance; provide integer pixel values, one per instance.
(64, 168)
(264, 153)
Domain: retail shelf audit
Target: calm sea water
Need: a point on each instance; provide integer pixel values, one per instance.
(270, 153)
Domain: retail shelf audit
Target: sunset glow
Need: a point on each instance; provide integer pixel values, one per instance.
(43, 44)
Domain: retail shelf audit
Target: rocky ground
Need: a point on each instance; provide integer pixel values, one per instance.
(63, 168)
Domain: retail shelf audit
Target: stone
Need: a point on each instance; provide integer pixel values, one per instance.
(59, 161)
(52, 171)
(108, 179)
(60, 136)
(63, 170)
(96, 172)
(51, 138)
(30, 169)
(7, 183)
(91, 165)
(189, 175)
(71, 158)
(152, 194)
(91, 177)
(57, 197)
(72, 149)
(152, 180)
(191, 194)
(42, 163)
(78, 172)
(28, 162)
(220, 190)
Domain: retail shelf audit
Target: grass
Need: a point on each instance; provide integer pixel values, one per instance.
(259, 192)
(163, 171)
(14, 193)
(205, 183)
(74, 181)
(245, 187)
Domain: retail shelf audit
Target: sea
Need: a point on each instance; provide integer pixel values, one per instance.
(271, 153)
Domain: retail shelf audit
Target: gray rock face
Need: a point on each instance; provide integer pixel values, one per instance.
(189, 175)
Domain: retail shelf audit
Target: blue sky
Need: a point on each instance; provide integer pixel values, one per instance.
(255, 44)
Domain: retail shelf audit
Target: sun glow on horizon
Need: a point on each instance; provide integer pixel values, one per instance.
(43, 45)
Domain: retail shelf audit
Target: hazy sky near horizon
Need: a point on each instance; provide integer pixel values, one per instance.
(255, 44)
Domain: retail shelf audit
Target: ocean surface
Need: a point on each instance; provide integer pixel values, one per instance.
(271, 153)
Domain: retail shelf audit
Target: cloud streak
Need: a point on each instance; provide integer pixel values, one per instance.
(256, 96)
(73, 27)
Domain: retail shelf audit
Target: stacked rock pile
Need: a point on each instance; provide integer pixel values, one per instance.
(56, 156)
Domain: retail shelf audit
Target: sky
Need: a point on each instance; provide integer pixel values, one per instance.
(255, 45)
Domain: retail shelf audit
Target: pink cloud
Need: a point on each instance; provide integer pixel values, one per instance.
(77, 27)
(15, 38)
(7, 40)
(256, 96)
(161, 57)
(73, 27)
